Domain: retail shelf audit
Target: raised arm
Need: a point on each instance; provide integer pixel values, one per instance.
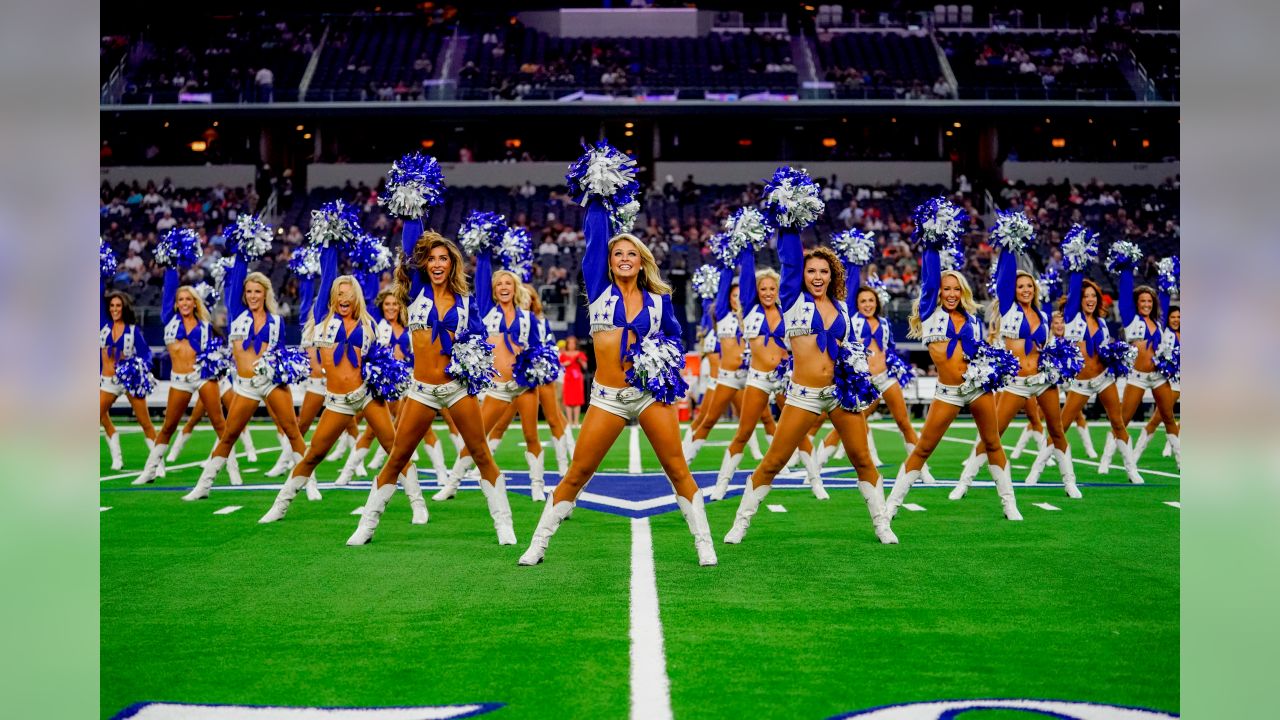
(104, 317)
(1006, 280)
(791, 257)
(409, 236)
(930, 281)
(595, 259)
(723, 289)
(306, 296)
(748, 295)
(1075, 288)
(170, 295)
(233, 288)
(1124, 291)
(852, 281)
(328, 273)
(482, 292)
(369, 287)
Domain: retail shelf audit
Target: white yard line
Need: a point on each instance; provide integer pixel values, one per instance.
(636, 466)
(184, 466)
(650, 686)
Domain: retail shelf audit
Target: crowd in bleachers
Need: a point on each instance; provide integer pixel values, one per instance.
(882, 66)
(1049, 65)
(376, 58)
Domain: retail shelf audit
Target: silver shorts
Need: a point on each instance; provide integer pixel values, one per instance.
(883, 381)
(1029, 386)
(315, 385)
(736, 379)
(1176, 386)
(350, 403)
(436, 397)
(815, 400)
(506, 391)
(765, 381)
(224, 385)
(110, 385)
(257, 387)
(1146, 380)
(1091, 386)
(958, 395)
(627, 403)
(187, 382)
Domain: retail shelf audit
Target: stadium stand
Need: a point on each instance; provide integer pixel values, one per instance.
(376, 58)
(881, 65)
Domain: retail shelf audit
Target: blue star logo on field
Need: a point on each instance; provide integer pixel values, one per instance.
(186, 711)
(955, 709)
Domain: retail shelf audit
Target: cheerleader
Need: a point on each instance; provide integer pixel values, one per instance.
(257, 339)
(1085, 326)
(125, 361)
(512, 331)
(345, 337)
(1140, 318)
(709, 349)
(197, 358)
(451, 361)
(943, 319)
(635, 335)
(1173, 336)
(1169, 359)
(731, 376)
(816, 321)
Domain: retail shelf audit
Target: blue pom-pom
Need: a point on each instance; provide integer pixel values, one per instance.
(1124, 257)
(106, 260)
(854, 246)
(1061, 360)
(656, 362)
(898, 367)
(386, 376)
(792, 199)
(369, 254)
(783, 371)
(1012, 231)
(938, 223)
(706, 281)
(952, 257)
(335, 223)
(537, 365)
(250, 237)
(882, 291)
(991, 367)
(1170, 272)
(285, 365)
(609, 175)
(471, 363)
(180, 247)
(722, 249)
(414, 183)
(1079, 248)
(135, 375)
(515, 252)
(1117, 357)
(482, 232)
(305, 261)
(854, 390)
(214, 360)
(1168, 359)
(1050, 285)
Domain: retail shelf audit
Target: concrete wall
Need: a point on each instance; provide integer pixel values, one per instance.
(182, 175)
(1109, 173)
(859, 173)
(619, 22)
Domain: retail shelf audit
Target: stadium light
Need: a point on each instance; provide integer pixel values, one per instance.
(215, 123)
(629, 133)
(828, 142)
(428, 144)
(1058, 142)
(1146, 143)
(299, 128)
(198, 146)
(306, 136)
(744, 142)
(955, 124)
(166, 123)
(950, 134)
(629, 125)
(513, 143)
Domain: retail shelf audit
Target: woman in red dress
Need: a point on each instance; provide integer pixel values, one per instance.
(574, 362)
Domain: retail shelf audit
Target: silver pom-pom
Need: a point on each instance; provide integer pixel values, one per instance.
(747, 227)
(252, 237)
(854, 246)
(706, 281)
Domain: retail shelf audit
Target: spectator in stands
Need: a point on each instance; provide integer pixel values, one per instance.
(265, 80)
(831, 190)
(941, 88)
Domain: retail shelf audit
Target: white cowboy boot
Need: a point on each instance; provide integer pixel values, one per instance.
(825, 453)
(901, 487)
(160, 468)
(150, 443)
(553, 514)
(176, 449)
(1130, 463)
(569, 442)
(284, 498)
(340, 447)
(113, 447)
(1087, 440)
(1140, 446)
(1108, 450)
(806, 463)
(753, 444)
(1175, 443)
(747, 507)
(695, 515)
(250, 452)
(1004, 488)
(281, 465)
(154, 461)
(972, 465)
(691, 450)
(499, 509)
(379, 457)
(839, 450)
(728, 466)
(435, 453)
(233, 469)
(791, 461)
(1018, 447)
(379, 496)
(1168, 449)
(871, 448)
(537, 488)
(813, 478)
(561, 447)
(1037, 467)
(961, 489)
(457, 442)
(450, 487)
(212, 467)
(413, 490)
(356, 458)
(874, 495)
(1067, 467)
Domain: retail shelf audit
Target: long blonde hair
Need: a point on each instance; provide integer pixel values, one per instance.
(430, 240)
(519, 298)
(967, 303)
(270, 301)
(201, 312)
(770, 274)
(649, 278)
(1035, 289)
(359, 311)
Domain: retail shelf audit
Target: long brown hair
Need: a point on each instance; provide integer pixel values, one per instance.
(836, 291)
(127, 314)
(430, 240)
(1155, 301)
(1086, 284)
(393, 290)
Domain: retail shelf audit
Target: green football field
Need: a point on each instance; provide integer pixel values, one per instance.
(808, 618)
